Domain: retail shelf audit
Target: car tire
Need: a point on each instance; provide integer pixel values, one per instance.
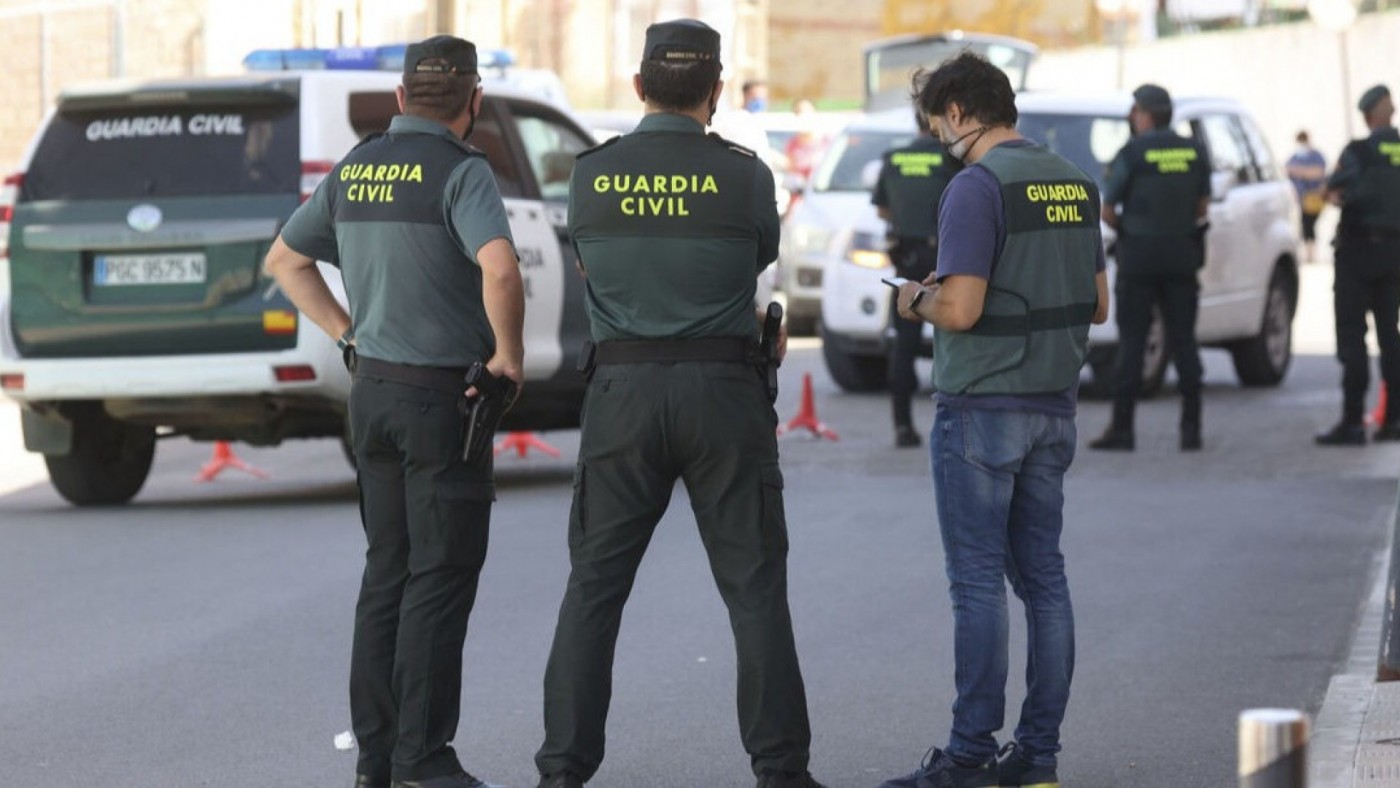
(1263, 359)
(108, 463)
(1103, 367)
(853, 372)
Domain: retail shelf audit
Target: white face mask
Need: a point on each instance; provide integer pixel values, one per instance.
(959, 147)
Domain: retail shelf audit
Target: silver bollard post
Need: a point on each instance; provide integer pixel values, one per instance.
(1273, 748)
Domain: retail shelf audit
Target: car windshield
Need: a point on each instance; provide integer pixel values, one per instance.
(1088, 141)
(164, 151)
(843, 167)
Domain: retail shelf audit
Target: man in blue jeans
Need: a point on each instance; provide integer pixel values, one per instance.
(1020, 277)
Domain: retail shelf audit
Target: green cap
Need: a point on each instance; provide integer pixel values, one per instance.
(1153, 98)
(1372, 97)
(459, 56)
(681, 41)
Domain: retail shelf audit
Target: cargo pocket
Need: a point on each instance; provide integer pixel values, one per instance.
(774, 533)
(578, 520)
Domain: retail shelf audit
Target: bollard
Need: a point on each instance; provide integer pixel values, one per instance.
(1273, 748)
(1388, 665)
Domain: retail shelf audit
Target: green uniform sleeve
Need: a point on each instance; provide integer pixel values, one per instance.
(1349, 166)
(311, 228)
(1115, 187)
(880, 197)
(765, 211)
(475, 214)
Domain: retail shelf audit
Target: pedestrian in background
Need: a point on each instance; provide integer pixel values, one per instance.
(1366, 184)
(911, 182)
(1307, 169)
(1020, 277)
(434, 286)
(1162, 181)
(677, 390)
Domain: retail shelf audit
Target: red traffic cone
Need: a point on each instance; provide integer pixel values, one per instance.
(523, 442)
(225, 458)
(1378, 415)
(806, 417)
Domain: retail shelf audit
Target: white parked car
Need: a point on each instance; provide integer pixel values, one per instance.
(1249, 285)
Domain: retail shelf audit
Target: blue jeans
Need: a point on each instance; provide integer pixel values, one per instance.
(998, 477)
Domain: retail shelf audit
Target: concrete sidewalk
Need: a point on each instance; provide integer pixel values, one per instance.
(1356, 735)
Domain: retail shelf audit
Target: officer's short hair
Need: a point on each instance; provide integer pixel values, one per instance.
(982, 90)
(678, 86)
(438, 95)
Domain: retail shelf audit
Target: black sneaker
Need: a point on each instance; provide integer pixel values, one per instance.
(1113, 440)
(1015, 771)
(458, 780)
(939, 770)
(1389, 431)
(788, 780)
(1343, 435)
(906, 437)
(560, 780)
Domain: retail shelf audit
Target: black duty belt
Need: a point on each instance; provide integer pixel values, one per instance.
(448, 380)
(649, 351)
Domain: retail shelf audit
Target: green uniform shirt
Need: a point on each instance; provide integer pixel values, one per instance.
(911, 182)
(403, 216)
(1159, 177)
(672, 227)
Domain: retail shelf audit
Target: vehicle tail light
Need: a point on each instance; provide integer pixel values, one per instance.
(299, 373)
(312, 173)
(9, 195)
(12, 381)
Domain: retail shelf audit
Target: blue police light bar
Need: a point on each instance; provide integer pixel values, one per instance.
(381, 58)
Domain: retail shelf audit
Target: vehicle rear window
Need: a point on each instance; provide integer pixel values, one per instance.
(1090, 142)
(842, 167)
(167, 151)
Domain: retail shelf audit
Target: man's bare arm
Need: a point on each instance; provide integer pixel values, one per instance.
(503, 294)
(299, 278)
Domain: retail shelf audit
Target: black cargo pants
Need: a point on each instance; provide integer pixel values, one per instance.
(1367, 279)
(426, 516)
(645, 426)
(1177, 296)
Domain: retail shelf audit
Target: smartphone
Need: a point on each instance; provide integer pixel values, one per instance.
(895, 281)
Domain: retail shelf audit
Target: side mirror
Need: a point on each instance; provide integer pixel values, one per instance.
(1220, 185)
(870, 174)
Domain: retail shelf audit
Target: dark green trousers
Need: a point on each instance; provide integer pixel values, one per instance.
(644, 427)
(426, 516)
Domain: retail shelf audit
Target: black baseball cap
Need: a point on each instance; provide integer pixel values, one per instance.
(459, 56)
(1372, 97)
(681, 41)
(1153, 98)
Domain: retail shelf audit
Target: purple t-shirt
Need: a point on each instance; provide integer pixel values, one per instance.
(971, 236)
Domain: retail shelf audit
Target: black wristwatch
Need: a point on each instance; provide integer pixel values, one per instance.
(345, 339)
(919, 296)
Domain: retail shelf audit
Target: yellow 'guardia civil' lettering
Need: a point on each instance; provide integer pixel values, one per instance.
(914, 164)
(1063, 214)
(655, 184)
(1391, 149)
(1056, 192)
(1171, 159)
(382, 173)
(370, 192)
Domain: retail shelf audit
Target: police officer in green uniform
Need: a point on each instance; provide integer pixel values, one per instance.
(672, 227)
(1162, 180)
(1366, 184)
(911, 182)
(415, 223)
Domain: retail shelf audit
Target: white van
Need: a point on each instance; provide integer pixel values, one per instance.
(1249, 285)
(136, 230)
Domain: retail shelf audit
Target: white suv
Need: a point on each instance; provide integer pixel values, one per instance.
(1249, 285)
(137, 227)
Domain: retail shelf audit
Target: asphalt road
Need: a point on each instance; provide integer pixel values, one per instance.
(200, 636)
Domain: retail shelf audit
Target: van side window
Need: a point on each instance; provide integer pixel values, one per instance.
(489, 137)
(551, 145)
(1227, 153)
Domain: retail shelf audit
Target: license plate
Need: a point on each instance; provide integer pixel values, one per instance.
(114, 270)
